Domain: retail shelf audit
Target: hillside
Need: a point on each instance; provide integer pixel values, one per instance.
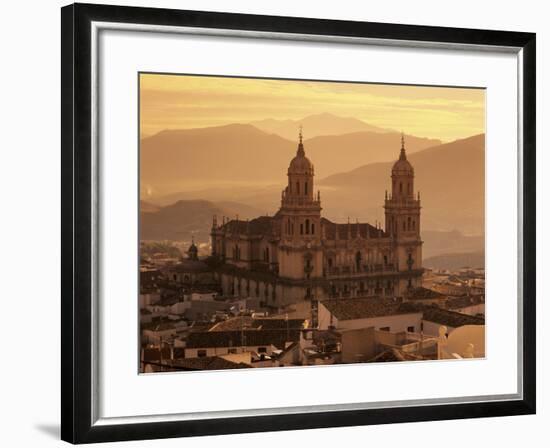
(456, 261)
(183, 219)
(241, 155)
(450, 178)
(452, 242)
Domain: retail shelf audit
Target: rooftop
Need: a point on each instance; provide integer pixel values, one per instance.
(257, 226)
(264, 323)
(422, 293)
(450, 318)
(278, 338)
(348, 309)
(464, 301)
(350, 230)
(207, 363)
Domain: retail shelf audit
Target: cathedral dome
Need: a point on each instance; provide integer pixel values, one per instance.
(300, 164)
(402, 166)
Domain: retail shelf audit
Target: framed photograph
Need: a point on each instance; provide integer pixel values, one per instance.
(276, 223)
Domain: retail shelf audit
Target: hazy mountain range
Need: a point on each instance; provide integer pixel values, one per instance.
(189, 175)
(183, 219)
(456, 261)
(450, 178)
(243, 155)
(316, 125)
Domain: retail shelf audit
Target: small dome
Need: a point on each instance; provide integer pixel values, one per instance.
(193, 251)
(402, 166)
(300, 164)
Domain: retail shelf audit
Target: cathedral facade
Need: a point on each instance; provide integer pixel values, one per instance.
(298, 255)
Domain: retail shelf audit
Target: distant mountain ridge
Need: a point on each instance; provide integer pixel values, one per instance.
(179, 160)
(456, 261)
(316, 125)
(186, 218)
(450, 178)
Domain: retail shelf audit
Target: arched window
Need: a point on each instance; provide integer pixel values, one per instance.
(307, 226)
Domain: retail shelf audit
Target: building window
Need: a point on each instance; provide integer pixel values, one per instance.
(307, 226)
(330, 262)
(409, 223)
(384, 328)
(297, 187)
(301, 229)
(414, 224)
(385, 259)
(410, 329)
(400, 187)
(305, 188)
(201, 353)
(312, 229)
(358, 260)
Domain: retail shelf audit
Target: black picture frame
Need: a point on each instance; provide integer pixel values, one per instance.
(76, 219)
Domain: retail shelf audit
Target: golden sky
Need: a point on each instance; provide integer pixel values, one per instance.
(180, 101)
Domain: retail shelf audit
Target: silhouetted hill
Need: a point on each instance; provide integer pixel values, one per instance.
(182, 219)
(316, 125)
(456, 261)
(450, 178)
(172, 160)
(440, 242)
(334, 152)
(240, 154)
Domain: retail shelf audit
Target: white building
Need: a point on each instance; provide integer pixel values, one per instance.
(383, 314)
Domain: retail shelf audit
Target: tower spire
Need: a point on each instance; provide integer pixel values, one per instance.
(402, 155)
(300, 151)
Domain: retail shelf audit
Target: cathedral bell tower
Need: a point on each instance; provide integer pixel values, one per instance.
(402, 210)
(300, 255)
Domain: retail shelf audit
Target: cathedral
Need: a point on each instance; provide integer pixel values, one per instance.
(298, 255)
